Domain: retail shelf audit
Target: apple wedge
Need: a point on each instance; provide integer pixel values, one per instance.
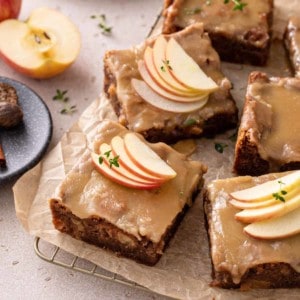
(110, 173)
(43, 46)
(118, 148)
(163, 67)
(272, 211)
(185, 70)
(265, 190)
(106, 152)
(160, 102)
(277, 228)
(162, 92)
(145, 158)
(149, 63)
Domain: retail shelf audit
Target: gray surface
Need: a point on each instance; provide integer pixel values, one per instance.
(23, 275)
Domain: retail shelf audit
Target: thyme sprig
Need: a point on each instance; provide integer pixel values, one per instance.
(281, 193)
(166, 64)
(114, 161)
(238, 4)
(102, 24)
(61, 96)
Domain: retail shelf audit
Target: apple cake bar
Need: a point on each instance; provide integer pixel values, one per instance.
(240, 30)
(133, 218)
(292, 43)
(261, 258)
(170, 64)
(268, 137)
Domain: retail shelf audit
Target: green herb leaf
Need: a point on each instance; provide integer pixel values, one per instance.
(114, 161)
(68, 110)
(192, 11)
(220, 147)
(102, 24)
(238, 4)
(189, 122)
(279, 195)
(166, 63)
(233, 137)
(100, 160)
(60, 95)
(107, 153)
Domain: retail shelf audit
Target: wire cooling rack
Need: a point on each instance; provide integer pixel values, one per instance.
(58, 256)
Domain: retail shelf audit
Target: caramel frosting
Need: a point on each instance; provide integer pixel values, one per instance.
(275, 105)
(293, 42)
(140, 116)
(141, 213)
(218, 17)
(231, 249)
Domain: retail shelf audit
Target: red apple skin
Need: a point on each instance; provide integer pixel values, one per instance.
(9, 9)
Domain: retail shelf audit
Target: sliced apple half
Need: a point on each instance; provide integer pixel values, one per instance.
(265, 190)
(162, 92)
(185, 70)
(118, 148)
(163, 66)
(272, 211)
(43, 46)
(145, 158)
(106, 152)
(110, 173)
(149, 63)
(277, 228)
(160, 102)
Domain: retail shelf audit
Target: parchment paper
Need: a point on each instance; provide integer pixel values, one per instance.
(184, 269)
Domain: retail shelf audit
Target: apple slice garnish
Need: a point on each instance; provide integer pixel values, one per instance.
(252, 204)
(106, 151)
(162, 92)
(110, 173)
(149, 63)
(265, 190)
(185, 70)
(160, 102)
(163, 67)
(277, 228)
(43, 46)
(271, 211)
(145, 158)
(118, 148)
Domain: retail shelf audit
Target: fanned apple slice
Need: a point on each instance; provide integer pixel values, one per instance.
(162, 103)
(118, 148)
(110, 173)
(252, 204)
(106, 152)
(265, 190)
(162, 92)
(272, 211)
(145, 158)
(163, 66)
(149, 63)
(186, 70)
(277, 228)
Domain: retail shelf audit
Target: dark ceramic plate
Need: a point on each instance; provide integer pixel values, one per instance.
(25, 144)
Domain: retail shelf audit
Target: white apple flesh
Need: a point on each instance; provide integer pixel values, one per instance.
(43, 46)
(110, 173)
(118, 148)
(272, 211)
(9, 9)
(145, 158)
(277, 228)
(162, 92)
(105, 148)
(145, 92)
(185, 70)
(265, 190)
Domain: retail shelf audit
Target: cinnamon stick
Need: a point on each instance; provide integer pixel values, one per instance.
(2, 158)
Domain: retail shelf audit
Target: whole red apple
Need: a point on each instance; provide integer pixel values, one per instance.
(9, 9)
